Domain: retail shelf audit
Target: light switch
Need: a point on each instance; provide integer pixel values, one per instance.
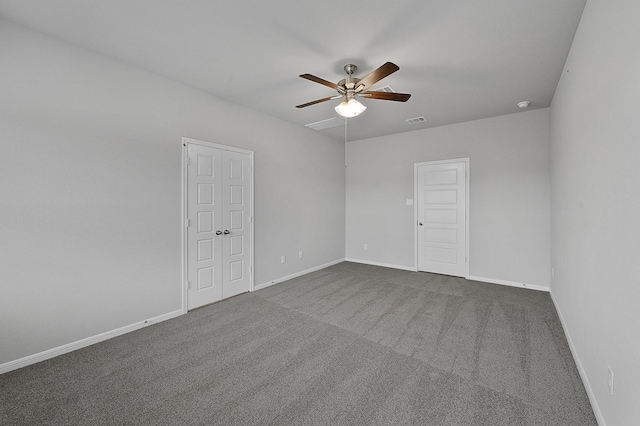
(409, 201)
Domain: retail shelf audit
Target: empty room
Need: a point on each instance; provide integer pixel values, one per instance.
(281, 212)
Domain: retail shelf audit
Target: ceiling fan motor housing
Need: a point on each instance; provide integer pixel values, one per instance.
(347, 84)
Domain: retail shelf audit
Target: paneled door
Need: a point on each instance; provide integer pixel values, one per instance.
(236, 214)
(218, 243)
(442, 217)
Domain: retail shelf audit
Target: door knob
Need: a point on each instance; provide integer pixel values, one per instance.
(420, 223)
(218, 232)
(226, 231)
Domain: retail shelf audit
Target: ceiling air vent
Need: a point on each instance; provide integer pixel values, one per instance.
(386, 89)
(325, 124)
(415, 120)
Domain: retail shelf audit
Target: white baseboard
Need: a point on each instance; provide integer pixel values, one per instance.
(509, 283)
(69, 347)
(297, 274)
(384, 265)
(583, 373)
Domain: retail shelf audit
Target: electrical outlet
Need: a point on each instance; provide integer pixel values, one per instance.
(366, 247)
(300, 254)
(409, 201)
(283, 259)
(610, 380)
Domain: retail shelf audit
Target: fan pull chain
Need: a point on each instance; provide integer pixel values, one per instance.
(346, 120)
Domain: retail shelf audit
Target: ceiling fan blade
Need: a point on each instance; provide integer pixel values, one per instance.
(317, 101)
(319, 80)
(399, 97)
(374, 76)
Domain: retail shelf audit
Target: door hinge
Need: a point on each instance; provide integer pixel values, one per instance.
(188, 284)
(188, 223)
(188, 161)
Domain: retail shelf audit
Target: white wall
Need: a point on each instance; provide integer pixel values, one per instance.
(595, 208)
(509, 188)
(90, 184)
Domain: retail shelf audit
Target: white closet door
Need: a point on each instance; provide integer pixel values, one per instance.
(442, 218)
(204, 208)
(236, 212)
(219, 228)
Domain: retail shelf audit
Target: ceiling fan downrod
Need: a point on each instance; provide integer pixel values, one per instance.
(349, 84)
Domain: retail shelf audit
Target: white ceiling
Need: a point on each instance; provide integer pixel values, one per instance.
(460, 59)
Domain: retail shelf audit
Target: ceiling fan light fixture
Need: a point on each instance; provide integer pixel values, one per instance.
(350, 108)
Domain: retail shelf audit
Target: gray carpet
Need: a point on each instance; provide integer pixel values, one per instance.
(350, 344)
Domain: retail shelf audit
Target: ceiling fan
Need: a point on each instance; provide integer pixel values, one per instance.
(350, 87)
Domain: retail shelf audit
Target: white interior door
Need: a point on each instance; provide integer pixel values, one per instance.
(218, 242)
(204, 247)
(442, 217)
(236, 172)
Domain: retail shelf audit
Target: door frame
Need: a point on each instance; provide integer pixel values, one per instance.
(183, 222)
(466, 204)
